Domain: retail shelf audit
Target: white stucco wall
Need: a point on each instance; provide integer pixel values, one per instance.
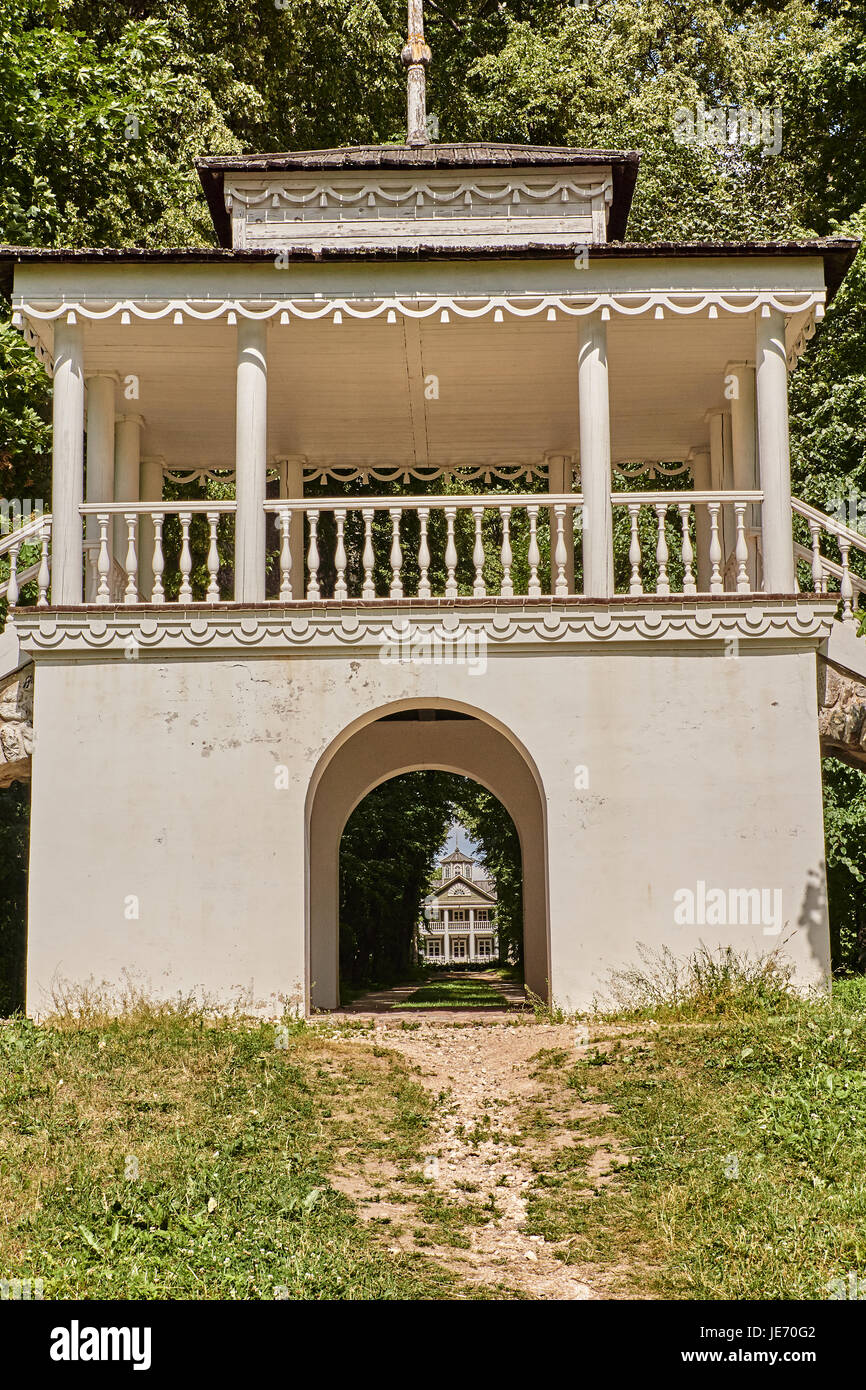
(155, 780)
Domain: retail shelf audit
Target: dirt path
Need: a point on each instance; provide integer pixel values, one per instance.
(482, 1157)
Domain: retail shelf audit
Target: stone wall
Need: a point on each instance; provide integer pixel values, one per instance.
(841, 714)
(16, 726)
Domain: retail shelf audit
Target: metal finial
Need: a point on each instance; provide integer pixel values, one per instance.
(416, 58)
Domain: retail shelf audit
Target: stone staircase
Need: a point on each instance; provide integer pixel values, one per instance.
(16, 681)
(842, 695)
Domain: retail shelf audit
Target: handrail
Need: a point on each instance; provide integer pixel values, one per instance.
(438, 501)
(148, 508)
(686, 495)
(22, 534)
(829, 523)
(802, 552)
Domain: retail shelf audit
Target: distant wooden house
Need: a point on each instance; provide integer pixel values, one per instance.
(459, 916)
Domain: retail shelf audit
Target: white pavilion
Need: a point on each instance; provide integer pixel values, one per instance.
(419, 400)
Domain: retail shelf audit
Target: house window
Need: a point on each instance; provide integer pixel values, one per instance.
(459, 914)
(458, 949)
(434, 948)
(481, 914)
(484, 947)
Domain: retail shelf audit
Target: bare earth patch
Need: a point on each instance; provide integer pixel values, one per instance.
(497, 1122)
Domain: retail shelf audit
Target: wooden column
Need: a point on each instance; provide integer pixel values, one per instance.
(594, 406)
(67, 488)
(127, 468)
(773, 452)
(701, 478)
(251, 462)
(100, 464)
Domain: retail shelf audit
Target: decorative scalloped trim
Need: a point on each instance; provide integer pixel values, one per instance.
(651, 469)
(682, 303)
(356, 627)
(411, 191)
(321, 471)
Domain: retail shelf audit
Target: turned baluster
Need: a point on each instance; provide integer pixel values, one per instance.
(716, 584)
(688, 554)
(846, 588)
(396, 590)
(450, 555)
(130, 593)
(12, 590)
(534, 555)
(341, 589)
(424, 590)
(313, 590)
(103, 564)
(741, 550)
(368, 558)
(478, 589)
(213, 559)
(663, 585)
(185, 594)
(91, 560)
(560, 553)
(635, 585)
(506, 589)
(44, 577)
(157, 594)
(818, 579)
(285, 525)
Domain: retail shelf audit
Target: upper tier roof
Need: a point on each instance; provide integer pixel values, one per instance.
(212, 169)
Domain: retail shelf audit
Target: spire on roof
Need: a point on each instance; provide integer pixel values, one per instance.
(416, 58)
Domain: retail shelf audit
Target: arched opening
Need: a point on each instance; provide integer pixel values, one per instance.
(431, 894)
(413, 736)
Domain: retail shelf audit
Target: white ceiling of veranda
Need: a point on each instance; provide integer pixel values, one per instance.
(362, 390)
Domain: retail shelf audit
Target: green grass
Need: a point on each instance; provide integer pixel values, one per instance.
(162, 1156)
(744, 1124)
(454, 994)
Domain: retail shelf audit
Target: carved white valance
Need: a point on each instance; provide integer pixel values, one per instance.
(327, 470)
(632, 304)
(418, 193)
(321, 471)
(650, 469)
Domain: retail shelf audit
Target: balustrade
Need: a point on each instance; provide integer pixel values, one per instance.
(669, 518)
(482, 547)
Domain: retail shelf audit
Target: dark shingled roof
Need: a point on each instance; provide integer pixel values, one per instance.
(213, 168)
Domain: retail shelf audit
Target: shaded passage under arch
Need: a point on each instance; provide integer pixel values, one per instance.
(386, 748)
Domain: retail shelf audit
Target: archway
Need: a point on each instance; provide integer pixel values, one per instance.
(411, 736)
